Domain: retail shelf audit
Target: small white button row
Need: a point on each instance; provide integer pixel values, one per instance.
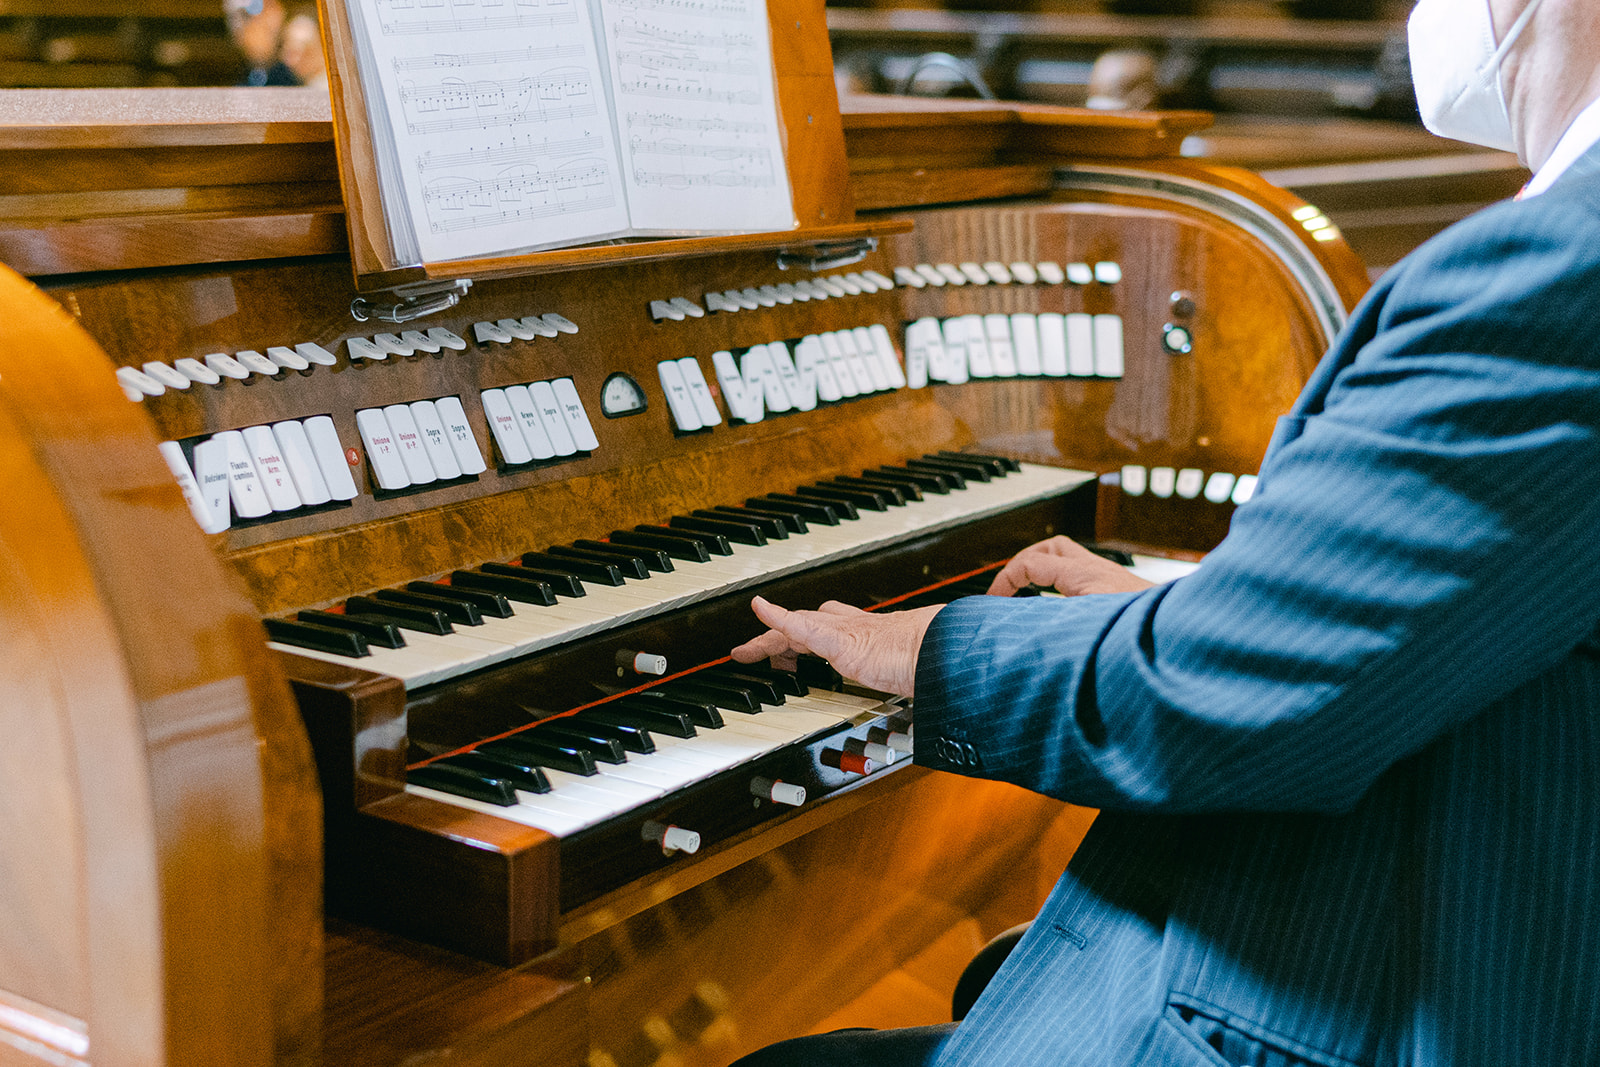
(1007, 346)
(1187, 483)
(419, 443)
(854, 283)
(538, 421)
(155, 378)
(406, 343)
(260, 470)
(1107, 272)
(527, 328)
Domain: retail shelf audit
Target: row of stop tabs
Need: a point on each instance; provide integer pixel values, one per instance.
(262, 471)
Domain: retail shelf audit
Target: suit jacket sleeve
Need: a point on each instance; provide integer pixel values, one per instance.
(1425, 538)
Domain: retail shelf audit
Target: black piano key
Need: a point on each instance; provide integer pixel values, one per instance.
(422, 620)
(632, 738)
(524, 590)
(382, 634)
(626, 560)
(319, 638)
(713, 543)
(562, 583)
(732, 529)
(583, 569)
(722, 694)
(862, 498)
(765, 690)
(660, 720)
(969, 471)
(1002, 465)
(678, 547)
(927, 481)
(654, 558)
(791, 517)
(993, 467)
(770, 525)
(819, 511)
(895, 495)
(818, 672)
(464, 783)
(603, 749)
(908, 491)
(457, 611)
(786, 681)
(557, 755)
(528, 777)
(489, 603)
(700, 712)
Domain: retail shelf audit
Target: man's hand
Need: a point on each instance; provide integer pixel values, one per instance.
(1067, 567)
(878, 651)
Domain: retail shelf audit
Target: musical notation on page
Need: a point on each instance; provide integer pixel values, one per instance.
(693, 80)
(401, 18)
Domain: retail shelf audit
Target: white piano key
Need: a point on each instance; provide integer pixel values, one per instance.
(172, 452)
(1108, 346)
(1025, 343)
(462, 440)
(1052, 344)
(383, 452)
(295, 448)
(578, 423)
(529, 421)
(555, 423)
(271, 469)
(435, 441)
(331, 458)
(503, 426)
(408, 441)
(212, 476)
(1160, 570)
(1080, 345)
(1002, 356)
(679, 403)
(244, 485)
(550, 821)
(614, 793)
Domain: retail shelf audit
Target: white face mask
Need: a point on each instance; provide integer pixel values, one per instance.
(1455, 67)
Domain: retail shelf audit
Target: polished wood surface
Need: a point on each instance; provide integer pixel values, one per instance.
(161, 871)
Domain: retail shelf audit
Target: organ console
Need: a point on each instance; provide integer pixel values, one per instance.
(499, 549)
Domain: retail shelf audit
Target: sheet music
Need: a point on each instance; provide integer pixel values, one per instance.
(697, 118)
(501, 133)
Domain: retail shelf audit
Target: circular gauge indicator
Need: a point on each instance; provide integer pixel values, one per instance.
(621, 396)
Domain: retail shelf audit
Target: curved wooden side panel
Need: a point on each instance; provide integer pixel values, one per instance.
(160, 871)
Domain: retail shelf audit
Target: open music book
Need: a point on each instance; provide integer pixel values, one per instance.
(508, 126)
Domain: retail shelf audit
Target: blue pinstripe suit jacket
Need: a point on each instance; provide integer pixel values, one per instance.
(1350, 768)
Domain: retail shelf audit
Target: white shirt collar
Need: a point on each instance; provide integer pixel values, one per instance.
(1579, 138)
